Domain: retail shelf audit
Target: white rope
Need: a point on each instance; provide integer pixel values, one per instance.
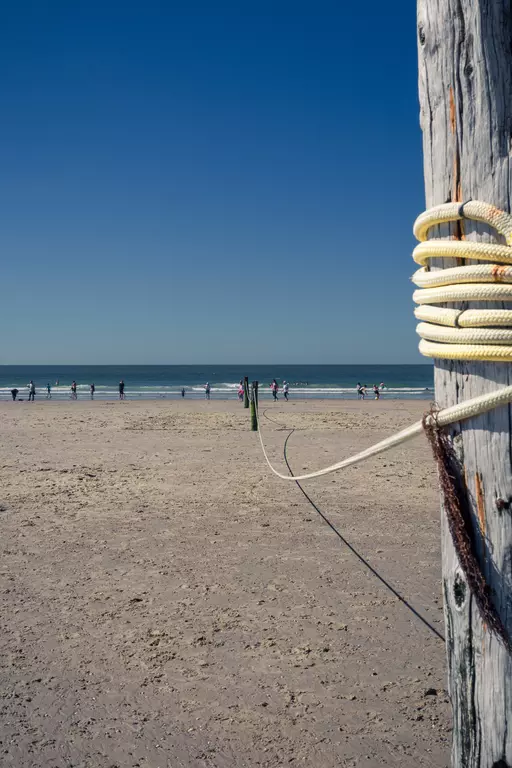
(472, 334)
(454, 413)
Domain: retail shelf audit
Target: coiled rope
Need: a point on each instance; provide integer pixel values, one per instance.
(464, 334)
(447, 333)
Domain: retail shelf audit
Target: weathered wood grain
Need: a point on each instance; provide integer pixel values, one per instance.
(465, 87)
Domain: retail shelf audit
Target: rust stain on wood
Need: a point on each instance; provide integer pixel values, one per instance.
(453, 121)
(480, 508)
(459, 233)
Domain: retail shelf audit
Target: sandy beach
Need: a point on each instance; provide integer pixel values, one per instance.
(166, 601)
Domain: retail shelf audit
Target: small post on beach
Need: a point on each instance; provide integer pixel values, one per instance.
(246, 391)
(254, 402)
(465, 90)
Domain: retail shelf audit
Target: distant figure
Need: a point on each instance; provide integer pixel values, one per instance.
(31, 390)
(207, 390)
(274, 389)
(73, 390)
(376, 392)
(57, 383)
(93, 390)
(241, 391)
(14, 393)
(285, 389)
(183, 391)
(48, 391)
(121, 390)
(381, 385)
(360, 391)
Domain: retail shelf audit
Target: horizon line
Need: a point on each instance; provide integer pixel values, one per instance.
(230, 365)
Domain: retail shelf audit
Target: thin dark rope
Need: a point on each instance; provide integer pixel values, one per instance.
(456, 508)
(347, 543)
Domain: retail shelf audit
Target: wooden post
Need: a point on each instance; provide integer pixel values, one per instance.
(246, 391)
(465, 87)
(254, 403)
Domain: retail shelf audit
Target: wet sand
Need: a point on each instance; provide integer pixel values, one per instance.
(166, 601)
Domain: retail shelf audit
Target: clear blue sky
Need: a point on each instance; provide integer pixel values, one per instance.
(213, 182)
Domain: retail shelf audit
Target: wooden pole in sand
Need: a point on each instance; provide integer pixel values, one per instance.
(465, 87)
(246, 391)
(254, 402)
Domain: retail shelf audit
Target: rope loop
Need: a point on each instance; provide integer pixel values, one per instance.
(464, 334)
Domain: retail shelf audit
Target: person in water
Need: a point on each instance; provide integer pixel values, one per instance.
(31, 391)
(121, 390)
(93, 390)
(48, 391)
(73, 390)
(183, 391)
(285, 389)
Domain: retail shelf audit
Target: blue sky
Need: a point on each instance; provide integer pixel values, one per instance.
(208, 182)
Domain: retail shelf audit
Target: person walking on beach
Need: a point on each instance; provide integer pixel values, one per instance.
(121, 390)
(285, 390)
(14, 393)
(274, 389)
(93, 390)
(376, 392)
(73, 390)
(241, 391)
(360, 391)
(207, 390)
(31, 391)
(48, 391)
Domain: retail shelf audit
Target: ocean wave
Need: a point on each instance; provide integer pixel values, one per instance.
(231, 389)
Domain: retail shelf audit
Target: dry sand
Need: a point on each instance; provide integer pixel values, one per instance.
(165, 601)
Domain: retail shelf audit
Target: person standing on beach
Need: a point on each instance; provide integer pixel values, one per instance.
(48, 391)
(93, 390)
(121, 390)
(207, 390)
(73, 390)
(31, 391)
(241, 391)
(274, 389)
(14, 393)
(285, 390)
(183, 391)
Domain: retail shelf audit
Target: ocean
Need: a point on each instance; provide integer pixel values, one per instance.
(149, 382)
